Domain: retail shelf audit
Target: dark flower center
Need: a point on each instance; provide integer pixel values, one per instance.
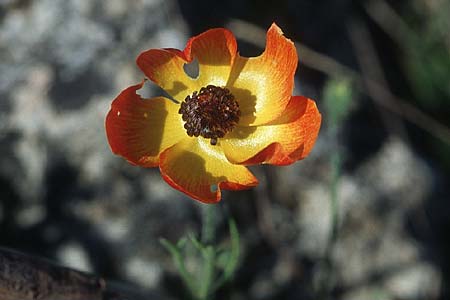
(210, 113)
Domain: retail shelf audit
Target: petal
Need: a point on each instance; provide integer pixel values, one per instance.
(263, 85)
(200, 170)
(165, 68)
(282, 142)
(140, 129)
(214, 49)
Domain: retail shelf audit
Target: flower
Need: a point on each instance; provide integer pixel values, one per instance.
(237, 112)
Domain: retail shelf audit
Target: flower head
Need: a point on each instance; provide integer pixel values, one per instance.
(237, 112)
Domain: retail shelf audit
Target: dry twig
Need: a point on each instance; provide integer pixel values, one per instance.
(24, 277)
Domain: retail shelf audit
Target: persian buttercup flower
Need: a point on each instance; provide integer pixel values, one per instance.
(237, 112)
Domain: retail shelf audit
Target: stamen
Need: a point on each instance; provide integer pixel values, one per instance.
(211, 113)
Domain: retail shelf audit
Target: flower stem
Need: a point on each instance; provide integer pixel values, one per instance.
(208, 223)
(207, 273)
(208, 252)
(216, 264)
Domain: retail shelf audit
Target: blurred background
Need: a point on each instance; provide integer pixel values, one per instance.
(365, 216)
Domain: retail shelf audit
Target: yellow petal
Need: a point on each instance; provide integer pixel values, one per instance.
(201, 170)
(284, 141)
(165, 68)
(263, 85)
(215, 51)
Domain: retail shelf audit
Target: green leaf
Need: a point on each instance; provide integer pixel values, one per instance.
(206, 286)
(197, 244)
(235, 250)
(233, 254)
(178, 260)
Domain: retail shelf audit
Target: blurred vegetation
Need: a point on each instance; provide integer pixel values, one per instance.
(425, 40)
(214, 264)
(421, 32)
(337, 98)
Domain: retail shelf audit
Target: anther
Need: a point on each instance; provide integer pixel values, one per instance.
(211, 113)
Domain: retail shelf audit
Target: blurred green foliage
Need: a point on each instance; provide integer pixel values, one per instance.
(337, 98)
(215, 265)
(426, 45)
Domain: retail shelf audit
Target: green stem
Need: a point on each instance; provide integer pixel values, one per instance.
(326, 277)
(207, 273)
(208, 224)
(336, 161)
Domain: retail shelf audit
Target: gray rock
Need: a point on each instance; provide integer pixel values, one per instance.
(373, 244)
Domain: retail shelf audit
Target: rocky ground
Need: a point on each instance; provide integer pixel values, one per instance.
(65, 197)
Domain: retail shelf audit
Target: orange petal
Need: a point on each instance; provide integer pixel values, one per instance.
(140, 129)
(214, 49)
(282, 142)
(165, 68)
(263, 85)
(200, 170)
